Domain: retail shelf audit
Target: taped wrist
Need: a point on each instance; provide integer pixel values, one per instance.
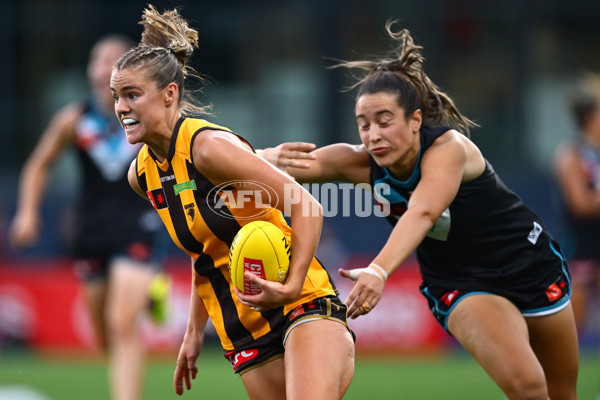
(382, 273)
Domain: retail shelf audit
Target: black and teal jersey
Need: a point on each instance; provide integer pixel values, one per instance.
(487, 235)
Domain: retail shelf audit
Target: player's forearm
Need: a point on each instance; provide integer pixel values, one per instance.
(406, 236)
(198, 314)
(32, 187)
(307, 221)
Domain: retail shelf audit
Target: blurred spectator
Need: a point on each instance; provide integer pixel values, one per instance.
(577, 172)
(115, 241)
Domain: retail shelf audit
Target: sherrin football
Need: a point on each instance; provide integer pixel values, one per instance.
(262, 249)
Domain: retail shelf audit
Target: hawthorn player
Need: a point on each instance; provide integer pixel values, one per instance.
(270, 337)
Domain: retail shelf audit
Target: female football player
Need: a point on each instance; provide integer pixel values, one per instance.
(291, 340)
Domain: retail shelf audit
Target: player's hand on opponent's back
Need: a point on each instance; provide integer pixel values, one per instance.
(289, 154)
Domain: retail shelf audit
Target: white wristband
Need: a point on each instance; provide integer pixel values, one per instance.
(354, 273)
(385, 274)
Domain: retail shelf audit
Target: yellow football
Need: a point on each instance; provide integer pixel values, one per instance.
(262, 249)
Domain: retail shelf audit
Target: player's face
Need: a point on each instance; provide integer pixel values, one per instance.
(139, 105)
(102, 58)
(390, 137)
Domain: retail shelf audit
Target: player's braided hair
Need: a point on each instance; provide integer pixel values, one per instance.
(166, 45)
(404, 75)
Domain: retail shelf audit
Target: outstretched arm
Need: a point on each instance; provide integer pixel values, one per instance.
(335, 162)
(60, 133)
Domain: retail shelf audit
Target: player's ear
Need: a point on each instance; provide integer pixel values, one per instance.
(171, 93)
(415, 121)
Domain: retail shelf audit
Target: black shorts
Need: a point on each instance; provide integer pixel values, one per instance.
(272, 345)
(93, 260)
(535, 297)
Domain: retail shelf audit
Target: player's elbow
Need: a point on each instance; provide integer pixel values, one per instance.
(425, 215)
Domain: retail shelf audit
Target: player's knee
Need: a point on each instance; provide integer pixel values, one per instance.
(120, 325)
(523, 387)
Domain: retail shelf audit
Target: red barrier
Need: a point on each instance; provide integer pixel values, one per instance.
(41, 304)
(401, 322)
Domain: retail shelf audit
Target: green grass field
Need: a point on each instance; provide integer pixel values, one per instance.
(447, 377)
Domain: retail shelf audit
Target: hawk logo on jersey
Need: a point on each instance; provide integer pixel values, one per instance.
(190, 211)
(157, 198)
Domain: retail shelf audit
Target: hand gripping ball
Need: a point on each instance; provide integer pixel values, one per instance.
(262, 249)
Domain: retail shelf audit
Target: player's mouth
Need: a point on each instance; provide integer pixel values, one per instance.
(129, 123)
(378, 151)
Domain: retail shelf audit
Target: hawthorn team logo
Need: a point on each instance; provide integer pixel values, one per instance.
(190, 211)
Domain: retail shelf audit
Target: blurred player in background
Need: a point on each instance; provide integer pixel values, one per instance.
(116, 252)
(291, 340)
(577, 172)
(492, 274)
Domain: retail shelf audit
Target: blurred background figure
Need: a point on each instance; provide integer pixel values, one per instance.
(115, 249)
(577, 173)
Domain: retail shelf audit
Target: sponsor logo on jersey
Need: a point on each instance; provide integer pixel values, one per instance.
(167, 178)
(180, 187)
(157, 198)
(241, 357)
(534, 234)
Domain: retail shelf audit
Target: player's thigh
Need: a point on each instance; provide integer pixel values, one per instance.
(320, 352)
(554, 341)
(266, 382)
(493, 330)
(128, 289)
(94, 292)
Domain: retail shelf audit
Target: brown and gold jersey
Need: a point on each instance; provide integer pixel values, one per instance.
(202, 219)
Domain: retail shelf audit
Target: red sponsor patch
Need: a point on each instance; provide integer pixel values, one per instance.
(257, 268)
(449, 297)
(238, 358)
(554, 291)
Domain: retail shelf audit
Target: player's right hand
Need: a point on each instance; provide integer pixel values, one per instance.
(24, 231)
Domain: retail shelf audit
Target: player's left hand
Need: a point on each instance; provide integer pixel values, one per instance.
(289, 154)
(366, 293)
